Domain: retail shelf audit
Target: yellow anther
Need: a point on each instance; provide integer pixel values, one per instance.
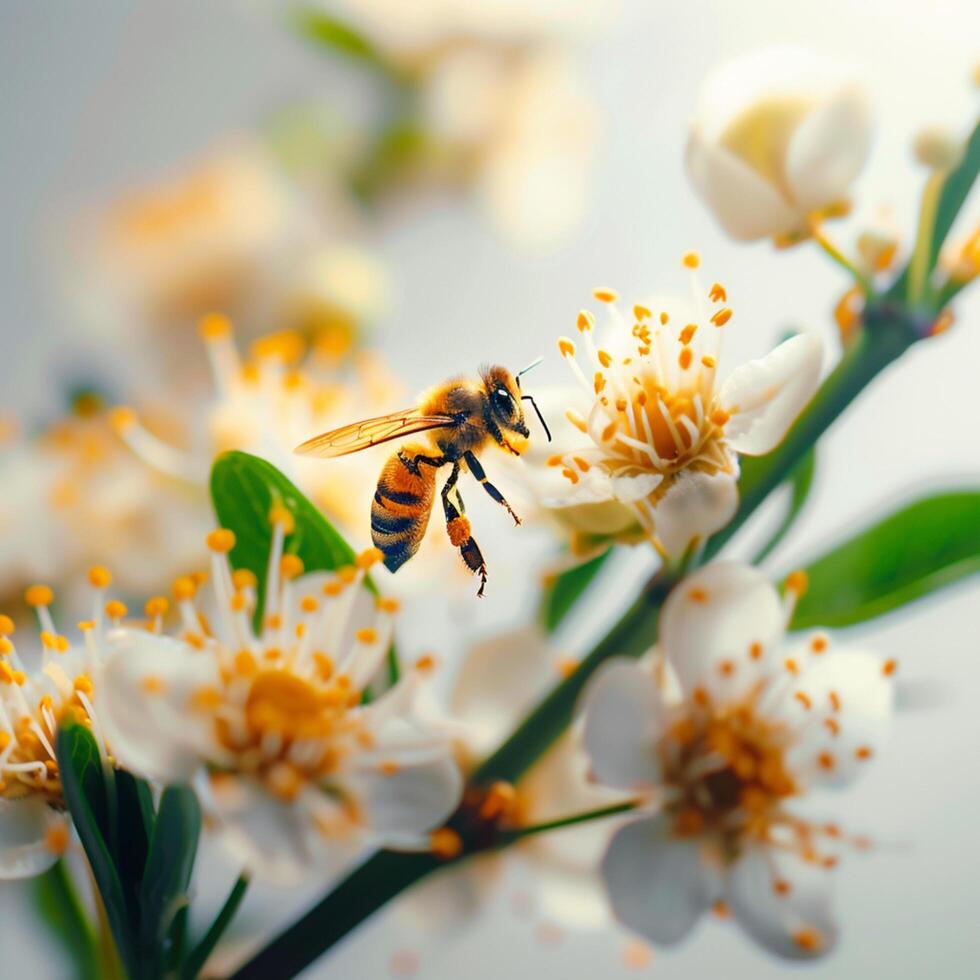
(221, 540)
(85, 625)
(604, 295)
(889, 667)
(366, 559)
(722, 317)
(688, 333)
(605, 359)
(445, 843)
(291, 566)
(61, 644)
(6, 625)
(499, 801)
(389, 767)
(153, 684)
(684, 358)
(798, 582)
(309, 604)
(115, 609)
(599, 382)
(584, 321)
(697, 594)
(709, 362)
(287, 346)
(718, 294)
(347, 574)
(366, 635)
(57, 838)
(333, 588)
(99, 577)
(641, 312)
(565, 347)
(720, 417)
(388, 605)
(206, 698)
(39, 595)
(425, 663)
(83, 683)
(282, 515)
(664, 318)
(243, 578)
(324, 665)
(5, 645)
(213, 326)
(156, 606)
(121, 418)
(184, 588)
(554, 460)
(238, 602)
(691, 260)
(245, 663)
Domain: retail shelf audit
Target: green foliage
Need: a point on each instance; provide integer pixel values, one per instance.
(560, 596)
(243, 490)
(919, 549)
(333, 34)
(800, 483)
(60, 908)
(141, 859)
(955, 190)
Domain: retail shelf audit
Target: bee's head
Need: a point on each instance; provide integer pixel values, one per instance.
(503, 392)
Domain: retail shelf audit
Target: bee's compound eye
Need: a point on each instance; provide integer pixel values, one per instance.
(502, 396)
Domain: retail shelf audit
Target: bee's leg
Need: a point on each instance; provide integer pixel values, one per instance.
(458, 528)
(413, 462)
(477, 470)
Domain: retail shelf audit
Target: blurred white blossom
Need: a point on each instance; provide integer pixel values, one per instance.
(744, 722)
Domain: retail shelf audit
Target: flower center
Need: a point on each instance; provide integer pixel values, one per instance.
(727, 771)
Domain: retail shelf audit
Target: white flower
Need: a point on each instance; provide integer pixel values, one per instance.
(34, 701)
(74, 495)
(294, 765)
(778, 139)
(757, 720)
(229, 231)
(658, 434)
(524, 128)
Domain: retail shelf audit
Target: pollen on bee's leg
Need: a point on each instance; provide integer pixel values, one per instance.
(459, 530)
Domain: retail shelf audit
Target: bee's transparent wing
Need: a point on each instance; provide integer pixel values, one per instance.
(361, 435)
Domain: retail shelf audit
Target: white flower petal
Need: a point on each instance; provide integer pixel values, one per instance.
(829, 149)
(272, 838)
(745, 205)
(765, 396)
(716, 617)
(499, 680)
(696, 505)
(656, 883)
(852, 703)
(624, 717)
(631, 487)
(409, 801)
(783, 902)
(24, 825)
(143, 693)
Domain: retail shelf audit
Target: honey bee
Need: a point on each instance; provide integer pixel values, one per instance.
(463, 415)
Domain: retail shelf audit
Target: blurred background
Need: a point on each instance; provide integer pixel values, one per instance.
(129, 128)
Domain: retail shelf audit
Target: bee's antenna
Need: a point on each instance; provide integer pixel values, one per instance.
(530, 398)
(533, 364)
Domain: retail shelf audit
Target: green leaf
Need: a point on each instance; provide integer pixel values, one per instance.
(134, 824)
(800, 483)
(84, 786)
(330, 32)
(561, 595)
(956, 189)
(199, 955)
(60, 907)
(243, 489)
(173, 847)
(925, 546)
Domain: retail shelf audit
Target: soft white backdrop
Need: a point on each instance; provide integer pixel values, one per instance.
(95, 96)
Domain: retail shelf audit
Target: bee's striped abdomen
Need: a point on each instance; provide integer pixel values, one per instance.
(401, 508)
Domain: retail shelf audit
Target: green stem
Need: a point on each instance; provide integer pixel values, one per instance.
(510, 836)
(384, 875)
(841, 259)
(200, 953)
(922, 258)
